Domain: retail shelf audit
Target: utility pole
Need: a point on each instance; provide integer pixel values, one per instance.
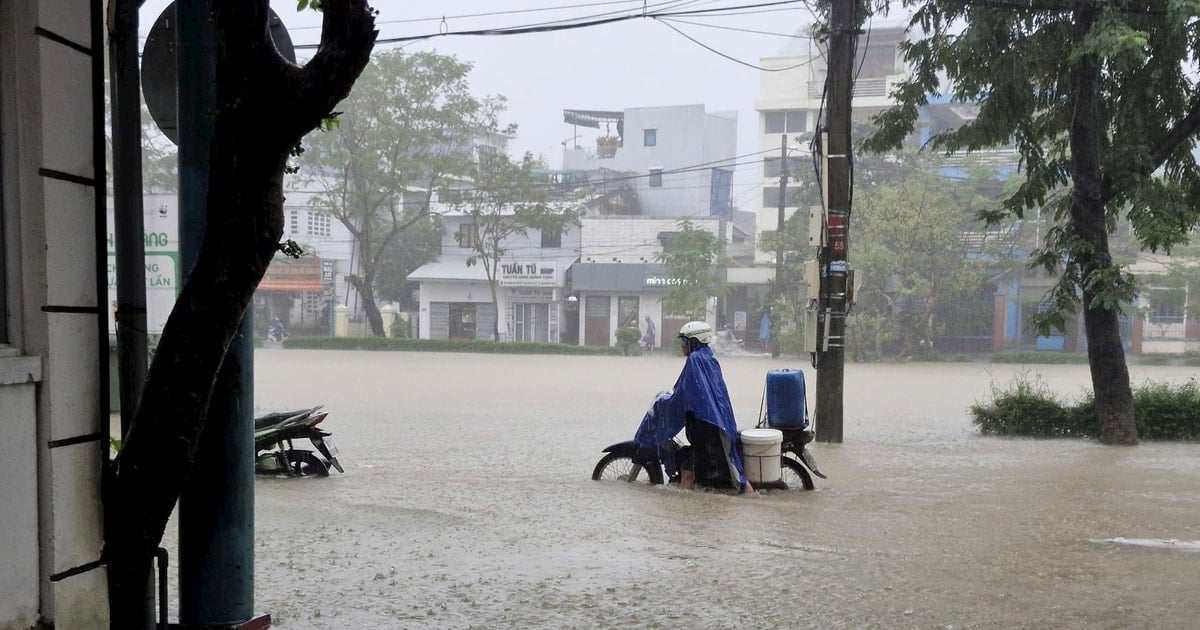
(833, 303)
(779, 292)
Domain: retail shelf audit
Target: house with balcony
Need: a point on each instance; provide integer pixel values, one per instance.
(790, 96)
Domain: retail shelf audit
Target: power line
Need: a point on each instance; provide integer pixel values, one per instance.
(731, 58)
(584, 23)
(734, 28)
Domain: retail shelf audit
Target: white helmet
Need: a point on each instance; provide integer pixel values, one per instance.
(700, 331)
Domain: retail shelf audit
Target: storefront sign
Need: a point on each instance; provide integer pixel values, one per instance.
(655, 281)
(523, 294)
(537, 273)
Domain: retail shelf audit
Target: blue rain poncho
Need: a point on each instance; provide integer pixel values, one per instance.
(701, 391)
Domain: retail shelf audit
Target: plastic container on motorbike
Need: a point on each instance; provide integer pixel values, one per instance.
(787, 407)
(761, 452)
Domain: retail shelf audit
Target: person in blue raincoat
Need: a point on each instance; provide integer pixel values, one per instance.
(699, 405)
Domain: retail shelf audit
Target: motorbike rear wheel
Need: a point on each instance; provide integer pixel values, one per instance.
(307, 464)
(620, 467)
(795, 475)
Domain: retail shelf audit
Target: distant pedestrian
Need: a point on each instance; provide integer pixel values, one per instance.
(647, 340)
(764, 330)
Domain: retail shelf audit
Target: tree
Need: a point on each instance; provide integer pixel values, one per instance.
(910, 250)
(1100, 104)
(691, 256)
(420, 243)
(506, 202)
(265, 105)
(406, 131)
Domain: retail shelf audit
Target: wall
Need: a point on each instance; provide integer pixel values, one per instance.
(53, 446)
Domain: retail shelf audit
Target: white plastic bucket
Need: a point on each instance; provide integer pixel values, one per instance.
(761, 450)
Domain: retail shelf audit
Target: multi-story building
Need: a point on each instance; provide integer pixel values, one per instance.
(790, 99)
(679, 159)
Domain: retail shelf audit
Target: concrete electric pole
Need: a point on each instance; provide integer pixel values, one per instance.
(835, 270)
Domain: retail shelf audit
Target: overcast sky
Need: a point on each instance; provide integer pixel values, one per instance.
(635, 63)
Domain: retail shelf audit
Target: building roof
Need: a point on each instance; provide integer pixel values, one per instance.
(449, 268)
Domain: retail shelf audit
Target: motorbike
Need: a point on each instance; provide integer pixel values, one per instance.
(629, 462)
(275, 453)
(626, 461)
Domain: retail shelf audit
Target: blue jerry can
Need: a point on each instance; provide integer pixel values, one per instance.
(786, 403)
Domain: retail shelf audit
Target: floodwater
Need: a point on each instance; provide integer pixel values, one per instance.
(467, 503)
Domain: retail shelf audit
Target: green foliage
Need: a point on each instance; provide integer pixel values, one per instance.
(1027, 407)
(1015, 63)
(483, 346)
(405, 131)
(913, 259)
(1039, 357)
(691, 257)
(627, 340)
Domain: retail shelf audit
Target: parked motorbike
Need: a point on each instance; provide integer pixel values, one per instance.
(787, 412)
(274, 450)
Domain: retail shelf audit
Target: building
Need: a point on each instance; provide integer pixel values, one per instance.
(53, 314)
(679, 159)
(455, 298)
(790, 99)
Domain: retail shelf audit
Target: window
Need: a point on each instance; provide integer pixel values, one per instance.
(775, 121)
(878, 61)
(318, 224)
(627, 310)
(551, 238)
(655, 177)
(294, 222)
(771, 166)
(790, 121)
(797, 121)
(468, 235)
(771, 197)
(649, 137)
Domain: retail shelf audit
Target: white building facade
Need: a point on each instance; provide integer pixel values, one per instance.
(679, 158)
(789, 103)
(456, 298)
(53, 315)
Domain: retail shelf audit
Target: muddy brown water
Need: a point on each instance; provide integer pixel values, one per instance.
(467, 503)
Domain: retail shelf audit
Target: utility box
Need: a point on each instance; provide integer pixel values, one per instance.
(816, 226)
(810, 330)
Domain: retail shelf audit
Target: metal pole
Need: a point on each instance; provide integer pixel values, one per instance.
(779, 292)
(835, 269)
(128, 229)
(216, 510)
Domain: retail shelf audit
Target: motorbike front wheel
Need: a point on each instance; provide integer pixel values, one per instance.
(620, 467)
(307, 464)
(795, 475)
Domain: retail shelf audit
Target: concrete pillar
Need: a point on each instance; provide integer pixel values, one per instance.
(341, 321)
(388, 314)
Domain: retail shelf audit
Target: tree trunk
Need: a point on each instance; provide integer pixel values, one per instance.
(1106, 356)
(265, 106)
(370, 308)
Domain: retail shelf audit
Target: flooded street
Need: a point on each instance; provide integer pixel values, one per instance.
(467, 503)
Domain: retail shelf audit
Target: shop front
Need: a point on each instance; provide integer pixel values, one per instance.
(615, 295)
(456, 301)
